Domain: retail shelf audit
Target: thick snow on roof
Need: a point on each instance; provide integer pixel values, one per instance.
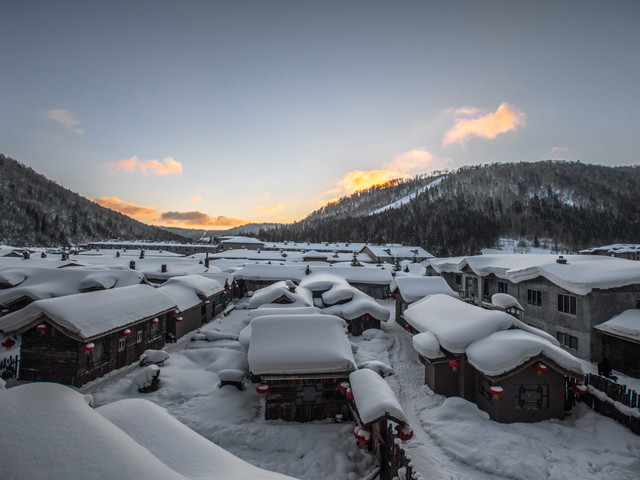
(320, 247)
(456, 324)
(373, 397)
(271, 293)
(614, 248)
(414, 288)
(339, 292)
(179, 447)
(398, 251)
(427, 345)
(41, 282)
(503, 351)
(359, 305)
(504, 300)
(369, 275)
(305, 344)
(92, 314)
(276, 309)
(189, 291)
(444, 264)
(626, 324)
(580, 275)
(49, 431)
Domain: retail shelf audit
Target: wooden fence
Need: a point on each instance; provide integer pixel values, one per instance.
(617, 393)
(9, 367)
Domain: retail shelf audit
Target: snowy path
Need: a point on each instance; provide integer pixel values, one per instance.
(415, 397)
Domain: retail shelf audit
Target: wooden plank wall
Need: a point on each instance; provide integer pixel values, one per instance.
(618, 393)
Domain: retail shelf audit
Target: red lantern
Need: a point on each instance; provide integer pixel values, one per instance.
(403, 432)
(580, 389)
(410, 329)
(262, 389)
(454, 364)
(362, 434)
(176, 313)
(126, 333)
(392, 296)
(87, 347)
(155, 321)
(179, 319)
(42, 328)
(343, 386)
(4, 312)
(8, 343)
(540, 368)
(367, 316)
(349, 394)
(496, 391)
(207, 302)
(406, 305)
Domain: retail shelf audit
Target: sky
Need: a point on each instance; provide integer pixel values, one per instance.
(211, 114)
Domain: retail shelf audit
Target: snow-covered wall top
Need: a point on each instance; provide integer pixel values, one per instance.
(89, 315)
(626, 324)
(414, 288)
(305, 344)
(373, 397)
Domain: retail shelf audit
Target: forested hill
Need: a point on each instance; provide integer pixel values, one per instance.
(37, 211)
(577, 205)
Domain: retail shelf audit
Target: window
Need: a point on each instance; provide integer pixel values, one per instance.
(122, 342)
(98, 351)
(483, 387)
(503, 287)
(458, 279)
(534, 297)
(567, 304)
(309, 394)
(139, 336)
(568, 341)
(638, 303)
(533, 396)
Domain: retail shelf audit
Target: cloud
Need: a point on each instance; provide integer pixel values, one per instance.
(168, 166)
(197, 218)
(403, 165)
(561, 150)
(64, 118)
(195, 198)
(269, 208)
(158, 217)
(489, 125)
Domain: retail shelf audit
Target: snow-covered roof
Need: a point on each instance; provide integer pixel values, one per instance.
(88, 315)
(503, 351)
(374, 398)
(40, 282)
(614, 248)
(239, 239)
(444, 264)
(580, 274)
(366, 275)
(276, 309)
(203, 286)
(305, 344)
(299, 296)
(456, 324)
(427, 345)
(127, 439)
(504, 300)
(401, 251)
(360, 304)
(414, 288)
(626, 325)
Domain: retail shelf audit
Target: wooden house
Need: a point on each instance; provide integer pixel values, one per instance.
(408, 289)
(300, 360)
(393, 253)
(196, 298)
(514, 372)
(621, 342)
(78, 338)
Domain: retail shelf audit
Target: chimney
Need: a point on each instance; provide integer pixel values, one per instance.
(132, 264)
(561, 260)
(163, 268)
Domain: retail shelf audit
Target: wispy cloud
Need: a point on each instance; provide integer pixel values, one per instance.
(472, 122)
(157, 217)
(64, 118)
(406, 164)
(195, 198)
(559, 150)
(271, 208)
(168, 166)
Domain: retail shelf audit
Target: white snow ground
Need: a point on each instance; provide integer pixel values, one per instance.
(452, 438)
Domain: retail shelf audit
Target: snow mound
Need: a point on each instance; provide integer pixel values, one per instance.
(153, 356)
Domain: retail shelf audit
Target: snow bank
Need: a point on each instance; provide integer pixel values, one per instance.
(296, 345)
(414, 288)
(504, 300)
(153, 356)
(373, 397)
(145, 377)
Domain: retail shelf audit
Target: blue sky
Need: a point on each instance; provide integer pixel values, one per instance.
(220, 112)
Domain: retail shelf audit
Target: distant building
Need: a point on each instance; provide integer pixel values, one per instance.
(628, 251)
(393, 253)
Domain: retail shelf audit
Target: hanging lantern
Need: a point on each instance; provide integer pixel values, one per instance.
(126, 333)
(343, 386)
(87, 347)
(410, 329)
(42, 328)
(262, 389)
(8, 343)
(392, 296)
(367, 316)
(454, 364)
(349, 394)
(496, 391)
(179, 319)
(155, 321)
(403, 432)
(580, 389)
(406, 305)
(207, 302)
(175, 313)
(540, 368)
(362, 434)
(4, 312)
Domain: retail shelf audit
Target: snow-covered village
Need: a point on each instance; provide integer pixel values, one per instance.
(319, 240)
(316, 361)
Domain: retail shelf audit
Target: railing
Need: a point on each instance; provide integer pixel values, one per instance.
(614, 401)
